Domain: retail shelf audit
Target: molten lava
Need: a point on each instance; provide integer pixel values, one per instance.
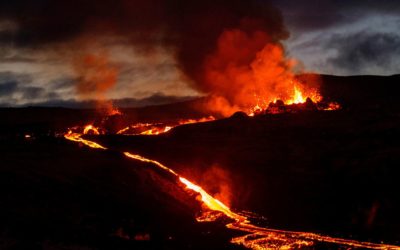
(76, 137)
(298, 96)
(249, 69)
(211, 202)
(256, 237)
(159, 128)
(91, 129)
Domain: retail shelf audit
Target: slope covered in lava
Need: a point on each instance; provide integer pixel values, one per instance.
(55, 195)
(332, 172)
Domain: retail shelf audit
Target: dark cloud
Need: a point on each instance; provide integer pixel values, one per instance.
(381, 6)
(18, 59)
(7, 31)
(188, 28)
(344, 37)
(161, 69)
(12, 84)
(306, 15)
(69, 103)
(362, 50)
(63, 83)
(29, 93)
(310, 15)
(8, 88)
(46, 20)
(6, 37)
(156, 99)
(6, 76)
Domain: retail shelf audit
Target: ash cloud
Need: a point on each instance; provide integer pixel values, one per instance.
(8, 88)
(189, 29)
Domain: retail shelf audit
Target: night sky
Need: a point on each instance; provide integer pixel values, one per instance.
(40, 42)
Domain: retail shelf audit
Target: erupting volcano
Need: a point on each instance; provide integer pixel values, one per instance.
(173, 124)
(256, 81)
(247, 70)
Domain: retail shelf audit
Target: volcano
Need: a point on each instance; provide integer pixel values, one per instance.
(312, 178)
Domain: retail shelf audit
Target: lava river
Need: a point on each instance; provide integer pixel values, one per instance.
(254, 237)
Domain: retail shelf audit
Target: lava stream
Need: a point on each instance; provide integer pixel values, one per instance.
(256, 237)
(157, 128)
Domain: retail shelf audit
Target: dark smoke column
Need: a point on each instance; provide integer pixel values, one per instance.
(194, 31)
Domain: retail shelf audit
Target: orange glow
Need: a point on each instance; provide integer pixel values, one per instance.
(211, 202)
(76, 137)
(156, 131)
(96, 75)
(249, 70)
(159, 128)
(91, 129)
(300, 95)
(256, 237)
(333, 106)
(265, 238)
(122, 131)
(143, 159)
(297, 97)
(113, 111)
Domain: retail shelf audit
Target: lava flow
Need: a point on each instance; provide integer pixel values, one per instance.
(255, 237)
(158, 128)
(298, 98)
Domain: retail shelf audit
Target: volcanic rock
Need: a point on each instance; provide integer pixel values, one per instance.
(239, 115)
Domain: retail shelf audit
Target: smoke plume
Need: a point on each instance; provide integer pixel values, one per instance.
(96, 76)
(229, 49)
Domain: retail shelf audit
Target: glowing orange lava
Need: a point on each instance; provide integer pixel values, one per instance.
(255, 237)
(91, 129)
(211, 202)
(297, 94)
(76, 137)
(159, 128)
(333, 106)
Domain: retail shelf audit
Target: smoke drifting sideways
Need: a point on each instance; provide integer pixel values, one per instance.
(228, 49)
(96, 76)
